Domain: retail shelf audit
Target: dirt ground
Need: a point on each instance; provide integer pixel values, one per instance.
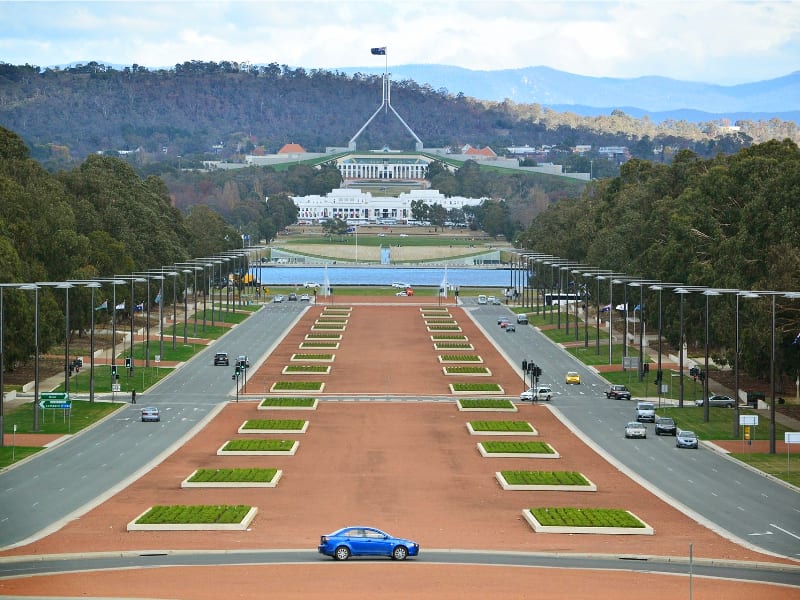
(406, 466)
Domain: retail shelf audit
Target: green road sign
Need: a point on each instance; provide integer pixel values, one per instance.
(54, 396)
(67, 404)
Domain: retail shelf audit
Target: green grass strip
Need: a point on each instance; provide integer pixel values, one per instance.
(274, 424)
(312, 356)
(453, 345)
(307, 368)
(303, 386)
(476, 387)
(544, 478)
(517, 447)
(233, 475)
(465, 370)
(486, 403)
(448, 336)
(258, 446)
(190, 515)
(500, 426)
(585, 517)
(299, 402)
(461, 357)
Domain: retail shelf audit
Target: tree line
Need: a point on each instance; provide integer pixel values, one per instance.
(727, 223)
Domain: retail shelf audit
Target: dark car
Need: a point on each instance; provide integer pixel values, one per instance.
(151, 413)
(510, 327)
(365, 541)
(292, 297)
(686, 439)
(221, 358)
(666, 426)
(618, 392)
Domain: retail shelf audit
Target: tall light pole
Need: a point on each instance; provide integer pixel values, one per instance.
(65, 286)
(736, 353)
(35, 288)
(174, 305)
(706, 415)
(186, 303)
(682, 292)
(93, 285)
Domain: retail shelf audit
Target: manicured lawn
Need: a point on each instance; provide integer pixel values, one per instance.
(720, 423)
(299, 402)
(544, 478)
(486, 403)
(13, 454)
(258, 446)
(307, 368)
(233, 475)
(500, 426)
(187, 515)
(777, 465)
(274, 424)
(303, 386)
(142, 379)
(585, 517)
(466, 370)
(517, 447)
(460, 357)
(56, 420)
(477, 387)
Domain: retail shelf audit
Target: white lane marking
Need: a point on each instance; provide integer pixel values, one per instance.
(784, 531)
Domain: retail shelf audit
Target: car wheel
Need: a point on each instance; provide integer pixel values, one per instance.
(342, 553)
(400, 553)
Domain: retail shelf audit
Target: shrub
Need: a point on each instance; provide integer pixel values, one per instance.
(518, 447)
(544, 478)
(274, 424)
(586, 517)
(500, 426)
(180, 514)
(259, 446)
(233, 475)
(290, 401)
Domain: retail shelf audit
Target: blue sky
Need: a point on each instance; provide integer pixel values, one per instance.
(715, 41)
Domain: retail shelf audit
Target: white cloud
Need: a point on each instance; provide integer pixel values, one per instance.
(720, 41)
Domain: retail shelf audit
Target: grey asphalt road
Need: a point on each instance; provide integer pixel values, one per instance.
(737, 502)
(786, 575)
(37, 495)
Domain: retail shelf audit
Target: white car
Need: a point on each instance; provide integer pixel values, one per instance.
(400, 284)
(543, 392)
(305, 298)
(310, 284)
(491, 299)
(278, 299)
(634, 429)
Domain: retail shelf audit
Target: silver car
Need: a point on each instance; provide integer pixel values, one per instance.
(686, 439)
(634, 429)
(717, 401)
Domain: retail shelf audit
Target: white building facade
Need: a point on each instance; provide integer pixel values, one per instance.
(355, 205)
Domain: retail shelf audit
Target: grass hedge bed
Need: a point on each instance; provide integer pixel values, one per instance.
(515, 426)
(289, 402)
(448, 336)
(283, 424)
(444, 328)
(476, 387)
(453, 346)
(466, 370)
(486, 403)
(308, 356)
(306, 369)
(258, 445)
(585, 517)
(192, 514)
(303, 386)
(460, 358)
(517, 447)
(233, 475)
(323, 336)
(320, 345)
(544, 478)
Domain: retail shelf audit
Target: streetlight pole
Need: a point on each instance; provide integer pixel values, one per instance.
(706, 415)
(682, 292)
(185, 303)
(35, 288)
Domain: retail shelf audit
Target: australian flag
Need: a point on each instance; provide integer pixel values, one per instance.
(379, 51)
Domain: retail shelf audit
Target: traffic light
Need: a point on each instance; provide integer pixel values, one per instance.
(128, 362)
(114, 371)
(524, 365)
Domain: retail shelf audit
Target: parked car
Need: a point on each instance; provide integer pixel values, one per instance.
(365, 541)
(292, 297)
(510, 327)
(618, 392)
(151, 413)
(634, 429)
(278, 298)
(221, 358)
(542, 392)
(686, 439)
(717, 401)
(666, 426)
(572, 377)
(522, 319)
(645, 411)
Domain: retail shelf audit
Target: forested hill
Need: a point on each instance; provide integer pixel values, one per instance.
(199, 108)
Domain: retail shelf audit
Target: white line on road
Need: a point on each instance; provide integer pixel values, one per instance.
(784, 531)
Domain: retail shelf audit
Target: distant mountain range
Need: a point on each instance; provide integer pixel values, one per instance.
(659, 98)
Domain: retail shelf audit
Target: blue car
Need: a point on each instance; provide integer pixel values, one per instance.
(365, 541)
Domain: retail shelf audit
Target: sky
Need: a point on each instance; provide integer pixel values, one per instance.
(714, 41)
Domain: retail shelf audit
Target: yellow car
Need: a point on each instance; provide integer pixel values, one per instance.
(573, 377)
